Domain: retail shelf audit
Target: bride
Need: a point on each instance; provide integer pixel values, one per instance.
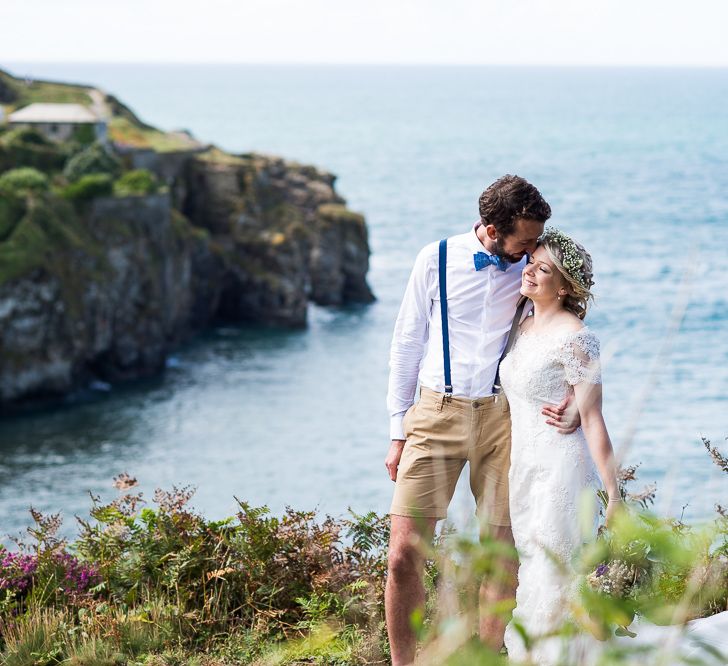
(552, 473)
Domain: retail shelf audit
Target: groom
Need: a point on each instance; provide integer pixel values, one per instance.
(460, 416)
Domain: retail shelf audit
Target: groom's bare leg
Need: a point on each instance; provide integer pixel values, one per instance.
(499, 588)
(405, 591)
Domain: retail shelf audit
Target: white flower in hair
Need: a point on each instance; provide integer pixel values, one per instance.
(572, 260)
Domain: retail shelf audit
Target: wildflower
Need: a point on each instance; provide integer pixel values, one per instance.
(615, 579)
(124, 481)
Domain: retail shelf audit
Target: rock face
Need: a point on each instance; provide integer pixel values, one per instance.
(108, 301)
(286, 235)
(113, 285)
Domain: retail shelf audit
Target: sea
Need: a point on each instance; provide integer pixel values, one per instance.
(634, 163)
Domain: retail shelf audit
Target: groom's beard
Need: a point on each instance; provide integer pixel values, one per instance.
(500, 252)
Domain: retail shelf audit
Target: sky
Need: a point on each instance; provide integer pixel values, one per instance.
(514, 32)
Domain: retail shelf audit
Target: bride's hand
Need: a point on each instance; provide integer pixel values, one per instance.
(613, 508)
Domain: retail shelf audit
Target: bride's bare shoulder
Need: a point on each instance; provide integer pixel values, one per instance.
(570, 323)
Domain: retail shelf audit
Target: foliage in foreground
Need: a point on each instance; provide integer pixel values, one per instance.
(163, 586)
(141, 579)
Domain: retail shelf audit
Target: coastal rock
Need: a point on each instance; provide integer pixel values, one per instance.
(96, 289)
(288, 237)
(139, 283)
(116, 284)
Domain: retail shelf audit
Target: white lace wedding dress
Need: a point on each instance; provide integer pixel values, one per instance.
(551, 476)
(552, 483)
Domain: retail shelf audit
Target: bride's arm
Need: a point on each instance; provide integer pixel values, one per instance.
(589, 402)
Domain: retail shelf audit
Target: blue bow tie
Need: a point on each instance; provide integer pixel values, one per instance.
(482, 260)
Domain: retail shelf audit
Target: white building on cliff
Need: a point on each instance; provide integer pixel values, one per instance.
(59, 122)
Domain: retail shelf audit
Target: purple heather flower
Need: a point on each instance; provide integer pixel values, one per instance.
(18, 571)
(602, 569)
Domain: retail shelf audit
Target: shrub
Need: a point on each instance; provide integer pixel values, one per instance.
(25, 147)
(301, 588)
(144, 578)
(23, 181)
(84, 134)
(89, 187)
(11, 211)
(25, 135)
(139, 181)
(93, 160)
(43, 158)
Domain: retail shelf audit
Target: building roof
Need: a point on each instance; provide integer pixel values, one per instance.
(53, 113)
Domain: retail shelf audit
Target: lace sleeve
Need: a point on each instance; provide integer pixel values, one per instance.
(580, 357)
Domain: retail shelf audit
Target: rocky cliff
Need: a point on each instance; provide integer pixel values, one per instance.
(103, 289)
(104, 295)
(285, 234)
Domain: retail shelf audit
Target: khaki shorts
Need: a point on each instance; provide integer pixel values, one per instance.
(442, 435)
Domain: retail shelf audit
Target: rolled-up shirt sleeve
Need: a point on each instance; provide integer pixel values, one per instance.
(410, 339)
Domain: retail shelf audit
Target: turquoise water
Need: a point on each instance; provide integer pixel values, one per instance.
(635, 165)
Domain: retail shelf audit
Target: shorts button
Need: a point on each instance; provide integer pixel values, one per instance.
(476, 404)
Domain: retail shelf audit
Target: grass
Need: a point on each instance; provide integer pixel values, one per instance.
(164, 586)
(27, 246)
(337, 213)
(48, 230)
(214, 154)
(44, 91)
(34, 639)
(124, 132)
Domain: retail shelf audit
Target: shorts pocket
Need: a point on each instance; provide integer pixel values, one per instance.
(407, 421)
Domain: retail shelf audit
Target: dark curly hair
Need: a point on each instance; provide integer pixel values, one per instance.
(509, 198)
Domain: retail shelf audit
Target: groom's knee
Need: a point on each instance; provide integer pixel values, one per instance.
(408, 542)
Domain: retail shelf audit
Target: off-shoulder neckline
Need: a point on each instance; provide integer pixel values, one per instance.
(551, 334)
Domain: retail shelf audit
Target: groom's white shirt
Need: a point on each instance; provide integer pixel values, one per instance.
(481, 305)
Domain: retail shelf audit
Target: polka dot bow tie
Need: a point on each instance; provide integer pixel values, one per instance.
(482, 260)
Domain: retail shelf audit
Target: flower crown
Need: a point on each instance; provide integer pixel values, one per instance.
(572, 259)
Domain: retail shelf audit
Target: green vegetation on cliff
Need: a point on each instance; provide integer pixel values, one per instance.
(136, 182)
(21, 182)
(128, 133)
(44, 234)
(27, 147)
(90, 186)
(96, 158)
(20, 92)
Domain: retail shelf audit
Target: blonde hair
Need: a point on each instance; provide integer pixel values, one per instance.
(575, 264)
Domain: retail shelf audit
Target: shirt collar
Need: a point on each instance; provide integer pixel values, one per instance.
(475, 241)
(479, 247)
